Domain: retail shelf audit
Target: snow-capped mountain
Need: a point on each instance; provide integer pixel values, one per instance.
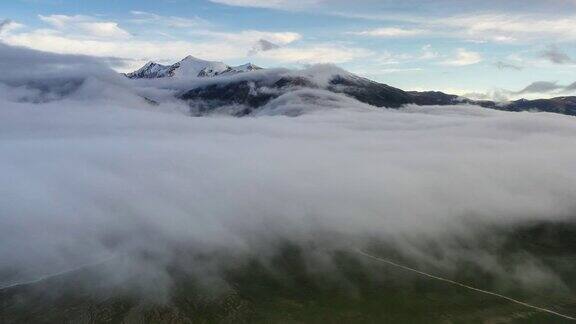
(249, 95)
(189, 66)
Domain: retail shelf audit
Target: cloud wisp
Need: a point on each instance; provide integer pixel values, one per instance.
(271, 4)
(496, 27)
(262, 45)
(541, 87)
(86, 25)
(464, 57)
(4, 24)
(548, 88)
(8, 25)
(554, 55)
(391, 32)
(143, 17)
(501, 65)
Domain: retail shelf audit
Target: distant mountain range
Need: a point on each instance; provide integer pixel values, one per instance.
(256, 91)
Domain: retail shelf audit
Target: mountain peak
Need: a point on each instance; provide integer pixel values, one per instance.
(247, 67)
(191, 58)
(189, 66)
(149, 70)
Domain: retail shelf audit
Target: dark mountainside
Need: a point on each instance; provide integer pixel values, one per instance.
(255, 93)
(363, 90)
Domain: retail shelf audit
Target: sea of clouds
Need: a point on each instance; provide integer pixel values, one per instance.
(90, 170)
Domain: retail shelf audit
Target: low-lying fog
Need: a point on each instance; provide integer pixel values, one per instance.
(85, 161)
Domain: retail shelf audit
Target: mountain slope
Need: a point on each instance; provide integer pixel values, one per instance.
(253, 92)
(561, 105)
(256, 94)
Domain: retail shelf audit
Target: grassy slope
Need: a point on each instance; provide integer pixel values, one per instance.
(287, 290)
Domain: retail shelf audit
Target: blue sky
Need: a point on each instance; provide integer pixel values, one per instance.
(481, 48)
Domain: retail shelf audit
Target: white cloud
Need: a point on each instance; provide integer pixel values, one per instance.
(212, 45)
(86, 35)
(140, 51)
(225, 46)
(249, 37)
(274, 4)
(142, 17)
(104, 29)
(8, 25)
(85, 25)
(464, 57)
(390, 32)
(501, 27)
(320, 53)
(428, 53)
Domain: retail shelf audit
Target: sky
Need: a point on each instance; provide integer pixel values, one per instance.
(474, 48)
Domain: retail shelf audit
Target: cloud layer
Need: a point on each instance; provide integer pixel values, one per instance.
(90, 36)
(98, 172)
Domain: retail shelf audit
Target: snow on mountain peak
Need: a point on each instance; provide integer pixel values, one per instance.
(247, 67)
(189, 66)
(191, 58)
(148, 71)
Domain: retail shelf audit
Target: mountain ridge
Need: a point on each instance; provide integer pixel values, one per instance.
(188, 66)
(255, 93)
